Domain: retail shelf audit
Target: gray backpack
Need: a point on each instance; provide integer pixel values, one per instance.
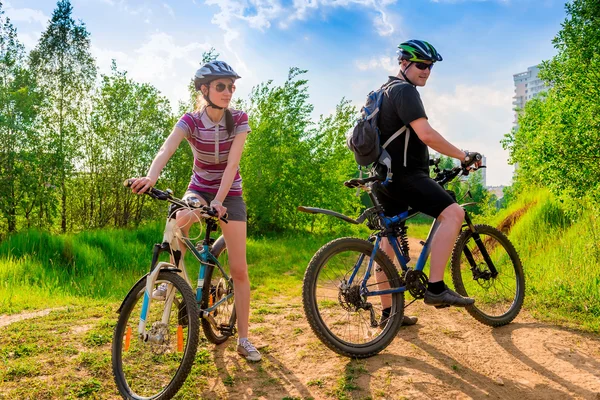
(363, 138)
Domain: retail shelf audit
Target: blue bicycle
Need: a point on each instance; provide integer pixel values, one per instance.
(349, 281)
(157, 332)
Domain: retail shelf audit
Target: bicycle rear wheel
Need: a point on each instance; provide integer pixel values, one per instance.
(155, 366)
(220, 324)
(344, 320)
(498, 299)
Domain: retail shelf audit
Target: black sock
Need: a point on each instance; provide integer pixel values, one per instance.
(385, 313)
(436, 287)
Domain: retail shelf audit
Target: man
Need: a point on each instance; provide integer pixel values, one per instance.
(411, 184)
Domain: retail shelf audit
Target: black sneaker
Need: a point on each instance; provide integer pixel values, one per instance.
(446, 299)
(406, 319)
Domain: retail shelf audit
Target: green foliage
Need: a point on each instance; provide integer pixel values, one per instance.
(66, 70)
(129, 122)
(557, 143)
(288, 162)
(561, 260)
(21, 171)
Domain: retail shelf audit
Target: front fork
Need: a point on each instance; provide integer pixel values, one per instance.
(144, 334)
(480, 246)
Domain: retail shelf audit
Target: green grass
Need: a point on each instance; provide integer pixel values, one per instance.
(40, 270)
(561, 260)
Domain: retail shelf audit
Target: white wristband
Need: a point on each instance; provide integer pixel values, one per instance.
(215, 202)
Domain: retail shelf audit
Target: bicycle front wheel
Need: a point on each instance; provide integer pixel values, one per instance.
(219, 325)
(344, 319)
(155, 364)
(498, 296)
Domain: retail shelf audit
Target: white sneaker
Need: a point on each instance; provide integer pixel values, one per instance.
(248, 351)
(160, 293)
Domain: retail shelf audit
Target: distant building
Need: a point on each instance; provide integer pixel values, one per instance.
(497, 190)
(483, 171)
(527, 86)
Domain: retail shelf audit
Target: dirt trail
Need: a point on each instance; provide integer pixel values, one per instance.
(9, 319)
(447, 355)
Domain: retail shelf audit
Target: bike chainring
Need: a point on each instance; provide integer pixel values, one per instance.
(416, 283)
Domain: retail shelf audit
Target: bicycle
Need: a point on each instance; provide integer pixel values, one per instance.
(342, 297)
(156, 339)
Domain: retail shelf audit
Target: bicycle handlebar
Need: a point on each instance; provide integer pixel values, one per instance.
(443, 176)
(167, 195)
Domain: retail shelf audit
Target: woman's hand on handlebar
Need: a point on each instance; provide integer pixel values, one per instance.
(141, 185)
(219, 208)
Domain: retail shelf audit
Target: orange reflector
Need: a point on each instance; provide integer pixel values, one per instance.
(211, 300)
(179, 338)
(127, 338)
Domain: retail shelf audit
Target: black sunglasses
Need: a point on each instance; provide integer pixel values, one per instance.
(219, 87)
(423, 66)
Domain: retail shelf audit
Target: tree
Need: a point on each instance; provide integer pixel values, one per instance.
(277, 157)
(333, 164)
(558, 141)
(20, 170)
(129, 122)
(66, 70)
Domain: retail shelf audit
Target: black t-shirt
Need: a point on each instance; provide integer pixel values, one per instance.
(400, 107)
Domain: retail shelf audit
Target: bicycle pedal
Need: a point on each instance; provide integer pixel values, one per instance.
(226, 330)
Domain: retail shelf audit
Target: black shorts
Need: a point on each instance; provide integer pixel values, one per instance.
(416, 190)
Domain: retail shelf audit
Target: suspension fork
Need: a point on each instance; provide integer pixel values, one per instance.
(480, 246)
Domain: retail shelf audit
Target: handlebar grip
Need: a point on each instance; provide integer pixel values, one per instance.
(128, 182)
(474, 157)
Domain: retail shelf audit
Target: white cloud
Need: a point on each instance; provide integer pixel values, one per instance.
(474, 118)
(26, 15)
(385, 63)
(162, 61)
(262, 14)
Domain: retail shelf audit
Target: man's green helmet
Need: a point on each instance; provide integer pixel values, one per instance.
(418, 51)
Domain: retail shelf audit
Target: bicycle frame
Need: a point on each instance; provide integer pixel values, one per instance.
(389, 222)
(171, 236)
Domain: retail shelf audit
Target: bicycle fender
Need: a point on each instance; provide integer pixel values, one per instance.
(218, 245)
(143, 278)
(313, 210)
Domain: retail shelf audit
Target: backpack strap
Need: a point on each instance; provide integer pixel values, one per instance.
(404, 128)
(394, 136)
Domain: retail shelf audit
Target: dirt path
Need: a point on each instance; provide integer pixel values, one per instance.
(9, 319)
(447, 355)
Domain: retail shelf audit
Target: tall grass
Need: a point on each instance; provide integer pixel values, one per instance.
(561, 259)
(39, 270)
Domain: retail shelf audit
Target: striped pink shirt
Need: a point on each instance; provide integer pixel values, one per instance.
(210, 144)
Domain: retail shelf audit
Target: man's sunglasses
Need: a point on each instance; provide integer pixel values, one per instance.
(219, 87)
(423, 66)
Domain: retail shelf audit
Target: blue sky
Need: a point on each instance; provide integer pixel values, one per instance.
(348, 47)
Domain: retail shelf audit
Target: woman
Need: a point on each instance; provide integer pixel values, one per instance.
(216, 135)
